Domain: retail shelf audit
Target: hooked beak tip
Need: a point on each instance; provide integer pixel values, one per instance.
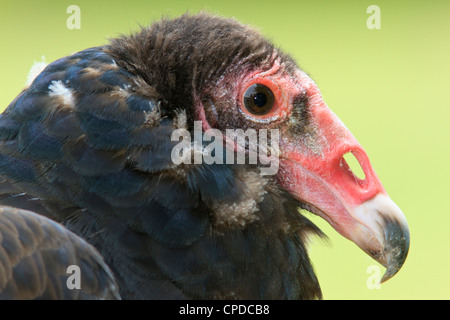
(396, 246)
(382, 231)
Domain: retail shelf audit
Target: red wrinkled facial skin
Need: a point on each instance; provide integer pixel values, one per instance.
(221, 107)
(314, 170)
(313, 140)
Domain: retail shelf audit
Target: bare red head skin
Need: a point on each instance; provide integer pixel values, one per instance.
(313, 142)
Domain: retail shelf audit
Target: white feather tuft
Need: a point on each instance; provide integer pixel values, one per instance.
(57, 89)
(35, 70)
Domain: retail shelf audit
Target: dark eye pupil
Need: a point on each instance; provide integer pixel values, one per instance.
(258, 99)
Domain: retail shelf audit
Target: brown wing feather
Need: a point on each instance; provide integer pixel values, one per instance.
(35, 254)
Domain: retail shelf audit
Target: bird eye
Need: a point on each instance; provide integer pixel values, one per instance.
(259, 99)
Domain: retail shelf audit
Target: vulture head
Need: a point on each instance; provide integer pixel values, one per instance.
(196, 227)
(228, 76)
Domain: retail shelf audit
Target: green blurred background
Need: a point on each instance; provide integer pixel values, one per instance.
(389, 86)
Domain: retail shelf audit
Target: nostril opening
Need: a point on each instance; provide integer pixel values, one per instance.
(353, 165)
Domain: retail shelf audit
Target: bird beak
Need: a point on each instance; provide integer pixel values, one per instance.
(313, 169)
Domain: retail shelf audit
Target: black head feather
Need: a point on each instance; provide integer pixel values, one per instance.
(183, 57)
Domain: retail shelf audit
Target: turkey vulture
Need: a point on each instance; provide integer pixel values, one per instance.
(89, 143)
